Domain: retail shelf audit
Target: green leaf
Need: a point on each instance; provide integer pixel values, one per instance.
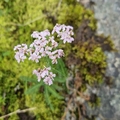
(54, 93)
(47, 98)
(6, 53)
(62, 66)
(60, 79)
(56, 87)
(28, 79)
(34, 88)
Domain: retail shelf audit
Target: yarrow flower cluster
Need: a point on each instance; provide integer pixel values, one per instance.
(21, 51)
(45, 45)
(45, 74)
(64, 32)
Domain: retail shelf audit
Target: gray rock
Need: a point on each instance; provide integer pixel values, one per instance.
(108, 14)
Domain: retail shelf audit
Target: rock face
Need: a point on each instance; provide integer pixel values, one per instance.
(109, 95)
(107, 12)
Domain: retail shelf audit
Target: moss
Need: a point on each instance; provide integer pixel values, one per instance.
(87, 56)
(42, 110)
(14, 117)
(75, 14)
(17, 22)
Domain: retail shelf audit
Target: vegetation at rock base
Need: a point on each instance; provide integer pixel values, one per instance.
(87, 64)
(87, 54)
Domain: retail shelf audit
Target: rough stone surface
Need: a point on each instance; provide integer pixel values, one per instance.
(109, 95)
(107, 12)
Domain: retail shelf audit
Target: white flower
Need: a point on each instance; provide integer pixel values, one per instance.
(45, 74)
(57, 28)
(38, 74)
(35, 57)
(21, 50)
(54, 44)
(48, 81)
(35, 34)
(51, 75)
(64, 32)
(20, 57)
(60, 53)
(44, 33)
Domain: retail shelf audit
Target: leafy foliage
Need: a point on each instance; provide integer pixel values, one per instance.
(18, 19)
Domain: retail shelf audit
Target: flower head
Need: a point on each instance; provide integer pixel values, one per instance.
(20, 52)
(45, 74)
(64, 32)
(48, 80)
(44, 46)
(40, 35)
